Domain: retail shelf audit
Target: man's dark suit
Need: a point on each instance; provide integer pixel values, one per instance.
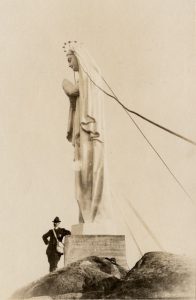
(50, 240)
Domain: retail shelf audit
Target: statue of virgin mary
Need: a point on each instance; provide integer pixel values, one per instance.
(86, 133)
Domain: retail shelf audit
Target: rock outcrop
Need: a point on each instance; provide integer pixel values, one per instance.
(78, 277)
(156, 275)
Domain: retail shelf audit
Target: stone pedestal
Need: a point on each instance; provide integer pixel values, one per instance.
(81, 246)
(94, 228)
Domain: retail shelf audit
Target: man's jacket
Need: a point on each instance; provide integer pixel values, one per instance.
(50, 240)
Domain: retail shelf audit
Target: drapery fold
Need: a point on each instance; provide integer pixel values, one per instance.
(86, 132)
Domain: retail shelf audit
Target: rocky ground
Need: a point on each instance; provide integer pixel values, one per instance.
(156, 275)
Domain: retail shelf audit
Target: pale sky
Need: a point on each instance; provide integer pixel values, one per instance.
(145, 49)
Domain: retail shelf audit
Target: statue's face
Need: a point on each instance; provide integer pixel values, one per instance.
(73, 62)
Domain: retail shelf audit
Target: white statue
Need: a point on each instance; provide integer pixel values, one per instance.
(86, 133)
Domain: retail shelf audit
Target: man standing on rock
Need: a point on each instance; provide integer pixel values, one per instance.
(51, 238)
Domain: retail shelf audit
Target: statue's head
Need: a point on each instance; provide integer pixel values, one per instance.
(72, 61)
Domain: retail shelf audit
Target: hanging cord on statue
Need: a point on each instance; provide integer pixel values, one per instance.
(137, 114)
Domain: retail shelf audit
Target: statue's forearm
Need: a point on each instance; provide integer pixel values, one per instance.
(73, 100)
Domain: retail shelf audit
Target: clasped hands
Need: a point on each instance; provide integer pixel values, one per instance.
(72, 91)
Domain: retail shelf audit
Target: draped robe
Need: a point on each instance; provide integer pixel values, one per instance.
(86, 133)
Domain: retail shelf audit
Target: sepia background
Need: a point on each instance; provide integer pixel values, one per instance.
(145, 49)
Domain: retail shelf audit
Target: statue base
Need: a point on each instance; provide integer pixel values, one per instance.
(81, 246)
(94, 228)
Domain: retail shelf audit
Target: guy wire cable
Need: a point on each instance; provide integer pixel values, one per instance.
(160, 157)
(144, 224)
(147, 140)
(137, 114)
(128, 226)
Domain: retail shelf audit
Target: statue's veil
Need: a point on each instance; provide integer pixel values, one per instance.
(91, 97)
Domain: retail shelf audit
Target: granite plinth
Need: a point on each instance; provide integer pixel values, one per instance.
(102, 228)
(81, 246)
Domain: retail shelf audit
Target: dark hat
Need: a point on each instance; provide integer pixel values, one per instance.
(56, 220)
